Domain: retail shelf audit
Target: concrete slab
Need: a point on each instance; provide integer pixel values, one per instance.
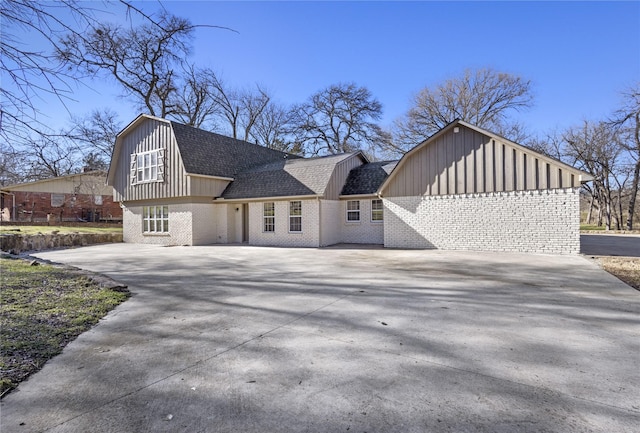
(221, 339)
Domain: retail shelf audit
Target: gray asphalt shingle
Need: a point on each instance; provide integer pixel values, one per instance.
(367, 178)
(291, 177)
(212, 154)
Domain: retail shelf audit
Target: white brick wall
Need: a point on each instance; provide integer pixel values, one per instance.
(309, 237)
(363, 232)
(525, 221)
(180, 226)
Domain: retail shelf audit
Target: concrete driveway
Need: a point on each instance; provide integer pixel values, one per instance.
(249, 339)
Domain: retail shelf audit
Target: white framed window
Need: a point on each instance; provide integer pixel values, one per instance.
(269, 217)
(155, 219)
(377, 210)
(295, 216)
(353, 211)
(97, 200)
(147, 166)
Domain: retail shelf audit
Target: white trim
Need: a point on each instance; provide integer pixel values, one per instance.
(209, 176)
(347, 220)
(295, 216)
(283, 198)
(371, 213)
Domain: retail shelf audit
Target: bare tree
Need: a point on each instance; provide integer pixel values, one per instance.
(239, 110)
(95, 136)
(51, 157)
(597, 150)
(483, 97)
(627, 120)
(340, 118)
(194, 102)
(270, 128)
(28, 74)
(141, 59)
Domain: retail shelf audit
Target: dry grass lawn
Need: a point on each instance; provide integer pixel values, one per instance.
(626, 269)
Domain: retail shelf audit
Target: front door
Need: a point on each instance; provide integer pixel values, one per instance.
(245, 223)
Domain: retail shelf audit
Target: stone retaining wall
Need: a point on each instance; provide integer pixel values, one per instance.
(19, 243)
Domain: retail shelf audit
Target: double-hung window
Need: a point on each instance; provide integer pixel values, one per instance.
(155, 219)
(147, 166)
(353, 211)
(269, 217)
(377, 210)
(295, 216)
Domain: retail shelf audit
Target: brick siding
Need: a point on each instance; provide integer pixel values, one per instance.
(35, 206)
(364, 231)
(526, 221)
(309, 237)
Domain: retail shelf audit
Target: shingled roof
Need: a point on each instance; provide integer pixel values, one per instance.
(290, 177)
(367, 178)
(212, 154)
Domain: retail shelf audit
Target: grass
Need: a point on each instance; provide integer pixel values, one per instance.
(32, 230)
(592, 227)
(626, 269)
(42, 308)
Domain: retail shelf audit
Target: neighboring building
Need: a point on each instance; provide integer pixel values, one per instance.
(75, 197)
(463, 188)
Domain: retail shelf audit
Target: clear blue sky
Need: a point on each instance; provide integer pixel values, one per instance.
(578, 55)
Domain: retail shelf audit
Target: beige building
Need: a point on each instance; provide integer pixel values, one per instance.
(75, 197)
(463, 188)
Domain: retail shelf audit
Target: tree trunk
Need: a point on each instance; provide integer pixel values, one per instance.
(634, 193)
(589, 214)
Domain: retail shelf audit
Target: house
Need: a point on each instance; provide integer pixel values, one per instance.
(463, 188)
(74, 197)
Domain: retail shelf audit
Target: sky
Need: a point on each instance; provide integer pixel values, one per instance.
(579, 56)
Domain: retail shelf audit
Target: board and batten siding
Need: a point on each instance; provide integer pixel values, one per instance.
(468, 162)
(201, 186)
(152, 134)
(339, 176)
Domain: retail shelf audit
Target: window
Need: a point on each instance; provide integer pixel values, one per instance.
(57, 200)
(353, 211)
(295, 216)
(97, 200)
(377, 210)
(269, 217)
(147, 164)
(155, 219)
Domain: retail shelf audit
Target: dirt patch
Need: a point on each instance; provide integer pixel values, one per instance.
(626, 269)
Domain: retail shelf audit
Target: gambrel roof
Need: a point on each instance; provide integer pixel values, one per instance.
(211, 154)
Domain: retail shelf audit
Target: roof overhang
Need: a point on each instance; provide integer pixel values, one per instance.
(229, 179)
(254, 199)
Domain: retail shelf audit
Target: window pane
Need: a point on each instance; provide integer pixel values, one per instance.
(353, 216)
(295, 224)
(295, 208)
(353, 205)
(269, 209)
